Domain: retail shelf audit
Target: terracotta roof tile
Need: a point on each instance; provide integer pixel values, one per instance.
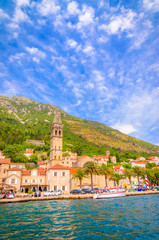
(41, 163)
(17, 163)
(40, 168)
(58, 166)
(150, 158)
(26, 172)
(140, 162)
(42, 172)
(73, 170)
(4, 160)
(15, 169)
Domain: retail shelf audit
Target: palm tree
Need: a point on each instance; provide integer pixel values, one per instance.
(105, 170)
(128, 173)
(116, 177)
(139, 172)
(90, 168)
(80, 174)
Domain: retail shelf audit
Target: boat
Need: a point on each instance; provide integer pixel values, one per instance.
(111, 193)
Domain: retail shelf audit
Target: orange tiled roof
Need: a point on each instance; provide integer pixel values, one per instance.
(42, 172)
(15, 169)
(41, 163)
(40, 168)
(4, 160)
(58, 166)
(140, 162)
(17, 163)
(26, 172)
(151, 158)
(117, 167)
(28, 151)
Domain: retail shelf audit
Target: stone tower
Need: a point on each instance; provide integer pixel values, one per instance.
(56, 139)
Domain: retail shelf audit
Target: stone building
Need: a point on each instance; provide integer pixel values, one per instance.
(56, 140)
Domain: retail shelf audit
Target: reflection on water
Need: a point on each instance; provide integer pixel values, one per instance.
(122, 218)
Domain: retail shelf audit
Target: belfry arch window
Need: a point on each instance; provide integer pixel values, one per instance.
(59, 133)
(55, 132)
(59, 157)
(55, 157)
(59, 147)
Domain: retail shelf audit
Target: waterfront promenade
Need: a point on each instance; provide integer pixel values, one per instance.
(69, 196)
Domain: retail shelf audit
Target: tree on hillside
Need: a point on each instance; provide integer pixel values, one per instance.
(116, 177)
(80, 175)
(90, 168)
(20, 158)
(11, 151)
(127, 165)
(117, 157)
(150, 165)
(104, 170)
(34, 158)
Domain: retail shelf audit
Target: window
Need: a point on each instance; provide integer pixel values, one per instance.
(41, 180)
(4, 171)
(59, 133)
(54, 188)
(67, 162)
(59, 147)
(55, 132)
(55, 174)
(12, 181)
(3, 179)
(33, 180)
(55, 157)
(64, 188)
(26, 180)
(59, 157)
(63, 174)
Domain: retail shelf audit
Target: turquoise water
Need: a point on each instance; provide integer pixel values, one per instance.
(122, 218)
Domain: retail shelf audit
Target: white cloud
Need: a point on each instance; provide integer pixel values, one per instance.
(86, 17)
(20, 16)
(122, 22)
(88, 49)
(3, 14)
(48, 7)
(72, 8)
(36, 54)
(124, 128)
(22, 3)
(17, 57)
(152, 5)
(72, 43)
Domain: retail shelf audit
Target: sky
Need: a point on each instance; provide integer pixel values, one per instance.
(95, 59)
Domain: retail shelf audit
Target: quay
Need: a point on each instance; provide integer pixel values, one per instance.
(68, 197)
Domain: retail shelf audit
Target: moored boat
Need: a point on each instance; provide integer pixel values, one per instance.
(111, 193)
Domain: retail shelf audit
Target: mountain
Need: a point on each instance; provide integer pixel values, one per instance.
(22, 118)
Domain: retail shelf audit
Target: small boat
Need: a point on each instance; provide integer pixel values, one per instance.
(110, 193)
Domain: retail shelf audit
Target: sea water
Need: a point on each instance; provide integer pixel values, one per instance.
(135, 217)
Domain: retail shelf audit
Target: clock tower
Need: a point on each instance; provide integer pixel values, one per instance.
(56, 139)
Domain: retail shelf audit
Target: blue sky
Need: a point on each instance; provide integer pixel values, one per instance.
(97, 60)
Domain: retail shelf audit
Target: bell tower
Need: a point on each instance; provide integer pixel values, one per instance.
(56, 139)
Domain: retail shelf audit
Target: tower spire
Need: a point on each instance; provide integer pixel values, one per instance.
(57, 118)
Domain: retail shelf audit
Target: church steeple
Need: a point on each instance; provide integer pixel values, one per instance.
(56, 139)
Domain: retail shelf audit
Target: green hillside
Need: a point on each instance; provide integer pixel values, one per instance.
(22, 118)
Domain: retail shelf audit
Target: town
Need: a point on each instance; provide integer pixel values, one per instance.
(72, 171)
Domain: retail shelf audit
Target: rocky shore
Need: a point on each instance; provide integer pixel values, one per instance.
(67, 197)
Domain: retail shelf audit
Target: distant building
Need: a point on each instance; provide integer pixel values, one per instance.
(36, 142)
(28, 152)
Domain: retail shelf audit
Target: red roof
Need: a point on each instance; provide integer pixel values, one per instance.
(151, 157)
(17, 163)
(42, 172)
(26, 172)
(41, 163)
(140, 162)
(4, 160)
(15, 169)
(117, 167)
(40, 168)
(28, 151)
(58, 166)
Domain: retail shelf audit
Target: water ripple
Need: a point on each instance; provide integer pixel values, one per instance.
(123, 218)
